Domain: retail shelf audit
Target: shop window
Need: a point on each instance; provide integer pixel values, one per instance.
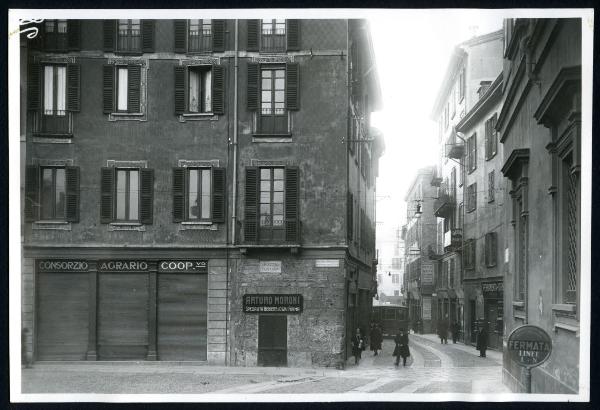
(126, 195)
(199, 194)
(52, 193)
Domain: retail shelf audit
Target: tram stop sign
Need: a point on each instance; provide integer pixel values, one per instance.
(529, 346)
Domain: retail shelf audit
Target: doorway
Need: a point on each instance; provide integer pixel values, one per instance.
(272, 340)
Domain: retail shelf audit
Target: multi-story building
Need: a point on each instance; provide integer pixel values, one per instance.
(420, 242)
(540, 129)
(391, 270)
(473, 66)
(199, 190)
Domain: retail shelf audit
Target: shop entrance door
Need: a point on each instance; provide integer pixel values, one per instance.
(491, 314)
(272, 340)
(473, 317)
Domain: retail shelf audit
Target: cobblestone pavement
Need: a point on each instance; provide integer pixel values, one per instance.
(432, 368)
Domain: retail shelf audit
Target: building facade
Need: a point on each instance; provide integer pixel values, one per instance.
(390, 271)
(540, 129)
(178, 200)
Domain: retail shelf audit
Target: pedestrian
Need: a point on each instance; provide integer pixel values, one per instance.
(455, 330)
(376, 338)
(443, 330)
(401, 349)
(358, 345)
(482, 338)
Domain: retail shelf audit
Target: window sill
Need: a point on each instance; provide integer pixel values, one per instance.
(567, 308)
(124, 116)
(272, 137)
(128, 53)
(518, 316)
(126, 226)
(518, 305)
(52, 138)
(209, 116)
(570, 327)
(200, 225)
(52, 225)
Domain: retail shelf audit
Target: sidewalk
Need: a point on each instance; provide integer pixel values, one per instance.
(493, 354)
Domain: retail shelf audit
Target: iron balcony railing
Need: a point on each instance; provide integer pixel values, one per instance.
(445, 203)
(200, 41)
(454, 148)
(453, 240)
(129, 40)
(55, 41)
(53, 122)
(272, 41)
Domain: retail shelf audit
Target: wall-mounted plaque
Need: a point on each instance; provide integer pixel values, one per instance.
(273, 303)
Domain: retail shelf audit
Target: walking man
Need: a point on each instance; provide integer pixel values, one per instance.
(376, 338)
(443, 330)
(358, 344)
(482, 338)
(455, 330)
(401, 348)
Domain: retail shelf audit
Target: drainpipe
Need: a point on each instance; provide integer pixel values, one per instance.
(235, 137)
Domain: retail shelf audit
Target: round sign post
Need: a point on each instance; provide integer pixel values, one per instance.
(529, 346)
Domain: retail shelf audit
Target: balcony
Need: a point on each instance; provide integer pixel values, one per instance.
(436, 179)
(287, 235)
(53, 123)
(453, 240)
(200, 41)
(444, 205)
(454, 148)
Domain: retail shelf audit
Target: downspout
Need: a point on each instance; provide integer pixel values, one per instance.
(235, 137)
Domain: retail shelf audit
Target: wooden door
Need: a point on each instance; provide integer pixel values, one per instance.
(272, 340)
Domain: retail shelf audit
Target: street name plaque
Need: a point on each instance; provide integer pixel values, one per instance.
(529, 346)
(273, 303)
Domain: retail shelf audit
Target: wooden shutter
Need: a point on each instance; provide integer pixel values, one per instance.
(107, 189)
(251, 205)
(252, 94)
(292, 223)
(32, 193)
(108, 88)
(134, 79)
(349, 216)
(147, 36)
(494, 134)
(180, 35)
(73, 87)
(292, 86)
(218, 32)
(109, 32)
(253, 35)
(178, 194)
(179, 89)
(293, 35)
(218, 194)
(74, 35)
(72, 194)
(218, 89)
(34, 87)
(146, 195)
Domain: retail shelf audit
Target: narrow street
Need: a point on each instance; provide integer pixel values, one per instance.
(432, 368)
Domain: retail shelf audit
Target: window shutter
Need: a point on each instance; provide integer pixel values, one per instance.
(147, 36)
(218, 32)
(218, 89)
(253, 35)
(349, 215)
(180, 35)
(109, 32)
(107, 188)
(32, 190)
(37, 42)
(133, 84)
(292, 86)
(108, 88)
(179, 90)
(251, 205)
(293, 35)
(146, 195)
(178, 194)
(74, 35)
(253, 76)
(487, 139)
(33, 87)
(72, 194)
(494, 134)
(73, 87)
(218, 199)
(292, 223)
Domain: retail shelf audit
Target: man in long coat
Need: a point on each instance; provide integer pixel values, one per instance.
(376, 338)
(401, 349)
(482, 339)
(443, 330)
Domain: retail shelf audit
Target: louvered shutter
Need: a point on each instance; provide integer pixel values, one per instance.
(218, 197)
(252, 94)
(72, 194)
(37, 42)
(292, 223)
(147, 36)
(74, 35)
(178, 194)
(292, 86)
(109, 31)
(218, 32)
(146, 195)
(349, 216)
(180, 35)
(251, 205)
(32, 193)
(218, 89)
(33, 87)
(293, 35)
(133, 88)
(107, 189)
(108, 88)
(253, 35)
(73, 87)
(179, 89)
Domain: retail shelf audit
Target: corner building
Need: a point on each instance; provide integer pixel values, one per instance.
(198, 190)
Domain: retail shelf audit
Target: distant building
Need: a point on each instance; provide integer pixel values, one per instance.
(391, 271)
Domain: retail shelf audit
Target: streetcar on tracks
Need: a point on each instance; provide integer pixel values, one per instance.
(391, 318)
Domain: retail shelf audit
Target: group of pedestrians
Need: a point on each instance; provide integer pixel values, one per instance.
(481, 333)
(376, 339)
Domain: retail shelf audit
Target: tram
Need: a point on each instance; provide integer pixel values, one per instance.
(391, 318)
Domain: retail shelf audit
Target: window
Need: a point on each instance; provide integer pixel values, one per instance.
(453, 102)
(491, 137)
(396, 293)
(461, 211)
(472, 197)
(271, 200)
(122, 88)
(379, 279)
(462, 85)
(199, 36)
(350, 216)
(51, 193)
(199, 89)
(445, 274)
(446, 115)
(452, 190)
(273, 35)
(199, 194)
(491, 187)
(126, 195)
(55, 90)
(472, 153)
(491, 249)
(128, 36)
(570, 198)
(273, 92)
(452, 272)
(395, 278)
(469, 254)
(55, 35)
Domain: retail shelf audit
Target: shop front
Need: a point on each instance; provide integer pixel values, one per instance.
(493, 308)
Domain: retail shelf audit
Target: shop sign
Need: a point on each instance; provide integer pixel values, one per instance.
(492, 290)
(183, 266)
(427, 273)
(269, 267)
(327, 263)
(273, 303)
(529, 346)
(62, 265)
(122, 266)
